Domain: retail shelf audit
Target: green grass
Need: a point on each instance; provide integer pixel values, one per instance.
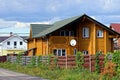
(55, 74)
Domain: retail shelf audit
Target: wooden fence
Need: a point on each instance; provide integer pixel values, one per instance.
(3, 58)
(26, 59)
(69, 62)
(64, 61)
(90, 61)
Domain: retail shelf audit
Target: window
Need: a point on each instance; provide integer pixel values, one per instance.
(85, 32)
(59, 52)
(8, 43)
(67, 33)
(63, 33)
(85, 52)
(75, 51)
(63, 52)
(21, 43)
(55, 52)
(71, 33)
(99, 33)
(15, 44)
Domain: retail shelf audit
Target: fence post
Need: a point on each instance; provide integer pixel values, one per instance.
(25, 60)
(66, 61)
(90, 62)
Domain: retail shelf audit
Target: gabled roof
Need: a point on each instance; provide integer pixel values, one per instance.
(57, 25)
(37, 28)
(4, 38)
(115, 27)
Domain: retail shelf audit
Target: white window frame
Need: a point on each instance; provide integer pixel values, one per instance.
(99, 33)
(85, 52)
(85, 32)
(61, 52)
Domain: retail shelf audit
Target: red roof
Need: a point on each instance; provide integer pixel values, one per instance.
(115, 27)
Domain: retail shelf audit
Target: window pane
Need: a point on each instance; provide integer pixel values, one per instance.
(85, 32)
(21, 43)
(15, 43)
(63, 52)
(99, 33)
(67, 33)
(85, 52)
(71, 33)
(75, 51)
(62, 33)
(55, 52)
(8, 43)
(59, 52)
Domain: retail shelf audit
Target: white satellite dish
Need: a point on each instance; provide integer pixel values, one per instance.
(73, 42)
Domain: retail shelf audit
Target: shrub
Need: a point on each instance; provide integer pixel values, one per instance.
(97, 66)
(19, 58)
(80, 60)
(116, 60)
(32, 62)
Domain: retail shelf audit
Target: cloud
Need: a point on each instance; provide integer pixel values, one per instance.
(17, 24)
(20, 13)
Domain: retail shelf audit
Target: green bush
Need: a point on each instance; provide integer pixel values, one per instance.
(19, 58)
(80, 60)
(116, 60)
(32, 62)
(97, 66)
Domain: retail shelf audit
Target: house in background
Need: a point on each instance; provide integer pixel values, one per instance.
(12, 44)
(66, 37)
(116, 27)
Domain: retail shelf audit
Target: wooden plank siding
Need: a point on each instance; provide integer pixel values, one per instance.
(61, 42)
(44, 45)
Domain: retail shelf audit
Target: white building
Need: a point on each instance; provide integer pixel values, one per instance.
(12, 44)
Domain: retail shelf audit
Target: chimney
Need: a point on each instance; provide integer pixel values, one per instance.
(11, 33)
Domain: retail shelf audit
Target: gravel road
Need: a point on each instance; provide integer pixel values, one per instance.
(10, 75)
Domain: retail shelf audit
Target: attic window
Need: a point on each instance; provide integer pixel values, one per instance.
(63, 33)
(66, 33)
(8, 43)
(21, 43)
(99, 33)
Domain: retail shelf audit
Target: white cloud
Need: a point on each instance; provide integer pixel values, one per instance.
(17, 24)
(109, 5)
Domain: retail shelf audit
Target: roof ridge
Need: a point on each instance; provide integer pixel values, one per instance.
(57, 25)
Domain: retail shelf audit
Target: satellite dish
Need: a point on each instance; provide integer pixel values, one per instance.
(73, 42)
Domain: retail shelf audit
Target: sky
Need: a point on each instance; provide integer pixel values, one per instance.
(17, 15)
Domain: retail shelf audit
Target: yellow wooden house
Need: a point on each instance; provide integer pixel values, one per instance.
(66, 37)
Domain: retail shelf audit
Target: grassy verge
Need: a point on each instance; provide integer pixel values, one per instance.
(52, 74)
(56, 74)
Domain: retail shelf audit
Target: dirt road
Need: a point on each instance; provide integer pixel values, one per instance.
(10, 75)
